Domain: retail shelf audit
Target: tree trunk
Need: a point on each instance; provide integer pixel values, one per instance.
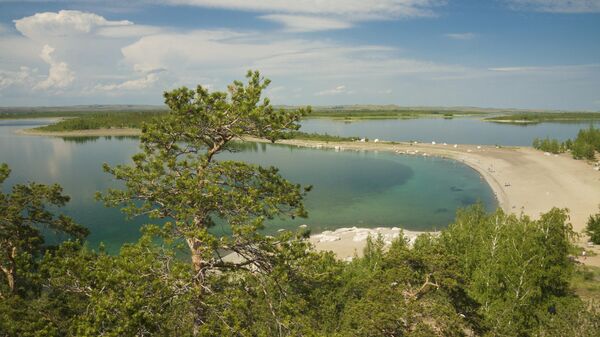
(10, 270)
(195, 246)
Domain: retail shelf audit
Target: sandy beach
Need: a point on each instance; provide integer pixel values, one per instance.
(523, 179)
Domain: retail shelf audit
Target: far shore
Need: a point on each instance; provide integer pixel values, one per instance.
(523, 179)
(83, 133)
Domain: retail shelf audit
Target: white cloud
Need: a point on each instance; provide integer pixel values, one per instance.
(355, 9)
(304, 23)
(557, 6)
(224, 53)
(461, 36)
(136, 84)
(340, 89)
(117, 62)
(59, 74)
(127, 31)
(557, 69)
(63, 24)
(23, 77)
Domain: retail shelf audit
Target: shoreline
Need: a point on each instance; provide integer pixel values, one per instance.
(82, 133)
(524, 180)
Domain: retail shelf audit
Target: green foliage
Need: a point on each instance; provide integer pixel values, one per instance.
(548, 145)
(141, 291)
(487, 274)
(583, 147)
(24, 213)
(516, 267)
(104, 120)
(586, 143)
(177, 177)
(593, 228)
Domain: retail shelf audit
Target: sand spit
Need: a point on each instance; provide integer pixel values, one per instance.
(523, 179)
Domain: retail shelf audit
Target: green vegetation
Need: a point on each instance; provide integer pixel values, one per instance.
(24, 213)
(318, 137)
(539, 117)
(486, 275)
(104, 120)
(134, 119)
(549, 145)
(74, 111)
(586, 283)
(177, 178)
(593, 228)
(584, 146)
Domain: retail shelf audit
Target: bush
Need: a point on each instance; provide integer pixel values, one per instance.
(582, 150)
(593, 228)
(548, 145)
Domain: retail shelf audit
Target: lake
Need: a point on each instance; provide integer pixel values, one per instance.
(456, 131)
(366, 189)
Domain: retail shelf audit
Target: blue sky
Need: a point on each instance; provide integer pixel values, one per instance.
(490, 53)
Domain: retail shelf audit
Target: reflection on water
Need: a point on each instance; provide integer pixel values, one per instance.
(349, 188)
(88, 139)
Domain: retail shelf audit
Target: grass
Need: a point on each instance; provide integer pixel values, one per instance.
(586, 282)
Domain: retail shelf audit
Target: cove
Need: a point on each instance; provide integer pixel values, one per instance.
(363, 189)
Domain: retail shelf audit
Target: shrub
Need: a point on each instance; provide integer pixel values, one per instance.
(593, 228)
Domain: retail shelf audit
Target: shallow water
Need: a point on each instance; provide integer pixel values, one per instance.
(366, 189)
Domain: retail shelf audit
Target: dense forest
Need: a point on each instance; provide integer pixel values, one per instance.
(485, 275)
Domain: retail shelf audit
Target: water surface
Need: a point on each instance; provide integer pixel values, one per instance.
(366, 189)
(456, 130)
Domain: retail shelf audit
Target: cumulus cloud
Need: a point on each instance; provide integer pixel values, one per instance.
(59, 74)
(557, 6)
(461, 36)
(25, 76)
(304, 23)
(64, 23)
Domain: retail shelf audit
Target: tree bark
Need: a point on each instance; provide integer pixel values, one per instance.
(9, 271)
(195, 246)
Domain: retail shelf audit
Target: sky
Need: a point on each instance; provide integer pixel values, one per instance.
(532, 54)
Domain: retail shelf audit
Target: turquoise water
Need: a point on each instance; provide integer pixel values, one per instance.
(366, 189)
(456, 130)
